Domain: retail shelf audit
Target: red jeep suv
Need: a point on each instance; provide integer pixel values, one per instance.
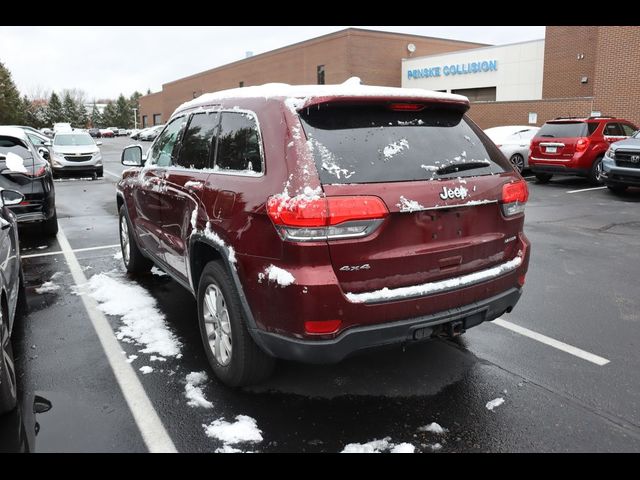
(313, 222)
(575, 146)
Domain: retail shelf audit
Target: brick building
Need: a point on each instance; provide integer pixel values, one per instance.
(574, 71)
(373, 56)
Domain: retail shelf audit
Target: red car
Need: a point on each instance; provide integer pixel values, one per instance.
(575, 146)
(313, 222)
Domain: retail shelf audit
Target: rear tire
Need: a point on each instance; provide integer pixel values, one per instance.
(134, 261)
(617, 189)
(595, 175)
(8, 386)
(233, 355)
(543, 177)
(50, 227)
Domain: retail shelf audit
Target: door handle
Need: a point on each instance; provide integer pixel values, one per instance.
(197, 186)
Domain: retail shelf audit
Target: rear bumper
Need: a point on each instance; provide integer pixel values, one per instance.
(558, 169)
(357, 339)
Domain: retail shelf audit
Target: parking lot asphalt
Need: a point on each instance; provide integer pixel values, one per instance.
(565, 361)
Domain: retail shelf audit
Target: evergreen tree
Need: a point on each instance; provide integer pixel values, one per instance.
(29, 113)
(54, 113)
(124, 114)
(96, 118)
(109, 115)
(11, 106)
(134, 106)
(70, 110)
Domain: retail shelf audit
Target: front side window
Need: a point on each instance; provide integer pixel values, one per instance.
(197, 141)
(238, 144)
(163, 148)
(37, 141)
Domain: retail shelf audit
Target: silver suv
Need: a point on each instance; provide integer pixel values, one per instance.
(76, 152)
(621, 164)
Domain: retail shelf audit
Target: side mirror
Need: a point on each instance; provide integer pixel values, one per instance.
(98, 143)
(132, 156)
(11, 197)
(44, 152)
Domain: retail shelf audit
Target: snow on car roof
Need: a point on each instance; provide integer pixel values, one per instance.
(13, 132)
(350, 88)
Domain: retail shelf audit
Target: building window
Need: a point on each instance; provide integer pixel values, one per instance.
(145, 122)
(320, 71)
(241, 84)
(157, 118)
(486, 94)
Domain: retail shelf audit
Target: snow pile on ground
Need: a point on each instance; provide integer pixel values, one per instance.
(407, 205)
(244, 429)
(157, 272)
(143, 321)
(194, 392)
(118, 255)
(277, 275)
(496, 402)
(228, 449)
(131, 358)
(403, 448)
(146, 369)
(379, 446)
(153, 358)
(433, 427)
(47, 287)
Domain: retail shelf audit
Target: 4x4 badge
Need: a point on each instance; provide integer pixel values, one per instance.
(458, 192)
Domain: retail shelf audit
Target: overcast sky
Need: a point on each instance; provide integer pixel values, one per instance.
(106, 61)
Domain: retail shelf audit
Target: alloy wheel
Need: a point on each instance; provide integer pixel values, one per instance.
(217, 324)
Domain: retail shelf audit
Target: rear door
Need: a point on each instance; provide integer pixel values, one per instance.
(441, 179)
(557, 140)
(185, 182)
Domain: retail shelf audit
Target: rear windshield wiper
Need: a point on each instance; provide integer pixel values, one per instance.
(459, 167)
(548, 135)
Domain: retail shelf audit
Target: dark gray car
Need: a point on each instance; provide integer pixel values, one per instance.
(621, 164)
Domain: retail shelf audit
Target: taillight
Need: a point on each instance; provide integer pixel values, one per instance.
(406, 107)
(582, 144)
(36, 170)
(514, 197)
(301, 219)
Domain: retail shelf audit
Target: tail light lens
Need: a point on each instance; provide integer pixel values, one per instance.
(582, 144)
(299, 219)
(37, 170)
(514, 198)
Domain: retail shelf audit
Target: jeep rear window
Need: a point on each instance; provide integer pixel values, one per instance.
(372, 143)
(563, 130)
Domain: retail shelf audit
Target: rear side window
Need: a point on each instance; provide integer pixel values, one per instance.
(372, 143)
(238, 144)
(614, 130)
(563, 130)
(198, 140)
(13, 145)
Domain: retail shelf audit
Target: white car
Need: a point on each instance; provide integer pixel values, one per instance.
(151, 133)
(514, 142)
(74, 152)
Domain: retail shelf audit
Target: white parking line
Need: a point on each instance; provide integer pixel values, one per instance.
(112, 174)
(589, 357)
(586, 189)
(153, 432)
(76, 250)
